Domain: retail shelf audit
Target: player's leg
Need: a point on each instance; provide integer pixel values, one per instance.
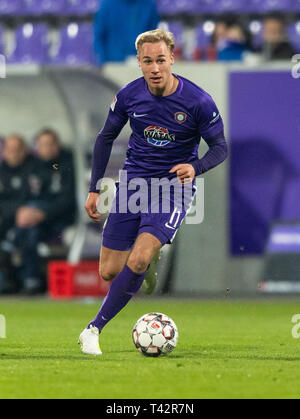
(127, 283)
(164, 226)
(145, 248)
(119, 235)
(112, 262)
(123, 288)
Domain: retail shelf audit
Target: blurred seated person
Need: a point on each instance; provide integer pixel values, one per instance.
(219, 33)
(233, 43)
(276, 45)
(58, 170)
(45, 218)
(18, 184)
(218, 36)
(117, 25)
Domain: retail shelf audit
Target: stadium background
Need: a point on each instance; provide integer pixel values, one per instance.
(250, 232)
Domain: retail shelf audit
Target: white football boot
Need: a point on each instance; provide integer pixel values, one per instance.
(89, 341)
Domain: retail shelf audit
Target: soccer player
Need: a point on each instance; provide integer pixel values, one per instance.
(168, 115)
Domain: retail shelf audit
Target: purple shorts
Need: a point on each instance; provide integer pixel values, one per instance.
(158, 212)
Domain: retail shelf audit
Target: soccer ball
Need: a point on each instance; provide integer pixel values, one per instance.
(155, 334)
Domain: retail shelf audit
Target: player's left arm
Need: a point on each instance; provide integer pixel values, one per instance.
(217, 153)
(211, 129)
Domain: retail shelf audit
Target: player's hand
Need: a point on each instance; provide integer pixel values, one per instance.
(91, 207)
(185, 173)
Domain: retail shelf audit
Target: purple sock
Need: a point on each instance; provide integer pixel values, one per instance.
(122, 289)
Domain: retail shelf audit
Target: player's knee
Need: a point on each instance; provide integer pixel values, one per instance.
(106, 274)
(138, 264)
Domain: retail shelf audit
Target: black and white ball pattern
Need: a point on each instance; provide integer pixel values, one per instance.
(155, 334)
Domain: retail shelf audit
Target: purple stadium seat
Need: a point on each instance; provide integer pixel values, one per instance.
(231, 6)
(255, 6)
(278, 5)
(177, 29)
(31, 44)
(204, 50)
(10, 7)
(82, 7)
(176, 7)
(266, 6)
(76, 45)
(220, 6)
(295, 7)
(256, 30)
(208, 6)
(165, 7)
(44, 7)
(186, 6)
(203, 37)
(294, 35)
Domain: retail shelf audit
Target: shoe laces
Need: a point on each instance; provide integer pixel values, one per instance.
(94, 330)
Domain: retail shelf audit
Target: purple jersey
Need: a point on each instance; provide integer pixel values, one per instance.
(166, 130)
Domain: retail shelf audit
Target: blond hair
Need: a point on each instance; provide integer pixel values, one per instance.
(156, 36)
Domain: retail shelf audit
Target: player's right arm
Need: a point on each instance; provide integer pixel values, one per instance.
(117, 119)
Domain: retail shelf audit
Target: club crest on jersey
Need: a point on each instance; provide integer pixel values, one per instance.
(180, 117)
(158, 136)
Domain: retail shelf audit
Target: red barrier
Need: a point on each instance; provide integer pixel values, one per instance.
(81, 280)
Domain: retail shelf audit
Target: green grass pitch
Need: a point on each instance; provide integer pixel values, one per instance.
(226, 349)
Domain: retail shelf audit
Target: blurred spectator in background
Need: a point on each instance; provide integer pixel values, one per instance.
(219, 33)
(117, 25)
(18, 184)
(45, 218)
(59, 173)
(217, 38)
(276, 46)
(233, 43)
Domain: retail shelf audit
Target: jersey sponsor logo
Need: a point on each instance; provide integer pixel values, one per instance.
(180, 117)
(216, 118)
(158, 136)
(113, 104)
